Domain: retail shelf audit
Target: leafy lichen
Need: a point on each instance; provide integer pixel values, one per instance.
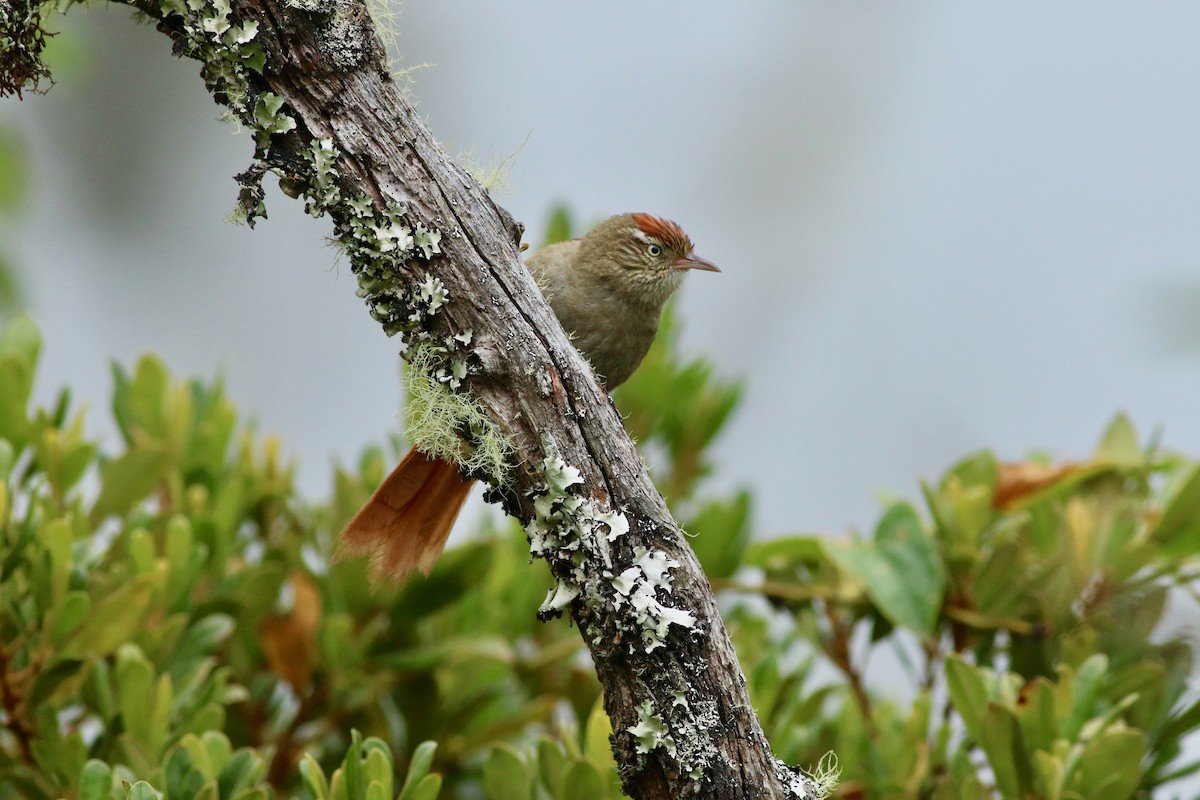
(650, 731)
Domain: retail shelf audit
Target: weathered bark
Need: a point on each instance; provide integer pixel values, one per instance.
(538, 391)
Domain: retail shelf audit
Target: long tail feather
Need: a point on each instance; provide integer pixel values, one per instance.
(406, 522)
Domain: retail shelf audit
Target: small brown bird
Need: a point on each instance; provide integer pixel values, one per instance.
(608, 290)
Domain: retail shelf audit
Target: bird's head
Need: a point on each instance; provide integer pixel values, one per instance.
(647, 254)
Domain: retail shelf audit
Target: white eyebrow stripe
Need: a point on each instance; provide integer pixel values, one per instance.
(641, 235)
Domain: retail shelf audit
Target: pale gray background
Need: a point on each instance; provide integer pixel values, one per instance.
(943, 226)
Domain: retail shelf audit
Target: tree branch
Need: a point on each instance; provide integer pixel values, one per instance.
(438, 260)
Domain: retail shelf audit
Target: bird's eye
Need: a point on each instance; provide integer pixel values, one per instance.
(654, 250)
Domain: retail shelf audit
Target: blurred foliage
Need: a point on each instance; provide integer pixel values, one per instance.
(171, 627)
(14, 193)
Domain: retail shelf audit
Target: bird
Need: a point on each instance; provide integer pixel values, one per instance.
(608, 289)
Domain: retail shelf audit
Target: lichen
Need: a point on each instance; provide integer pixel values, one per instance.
(625, 607)
(22, 40)
(380, 243)
(269, 117)
(436, 417)
(816, 784)
(639, 585)
(440, 420)
(650, 731)
(227, 49)
(492, 175)
(562, 524)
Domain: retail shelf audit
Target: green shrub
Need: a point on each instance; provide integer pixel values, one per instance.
(171, 627)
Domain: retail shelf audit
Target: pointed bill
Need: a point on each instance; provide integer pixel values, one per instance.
(693, 261)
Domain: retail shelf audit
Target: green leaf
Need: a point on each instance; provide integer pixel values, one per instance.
(596, 745)
(582, 782)
(59, 755)
(11, 293)
(1037, 715)
(428, 789)
(1109, 768)
(1001, 739)
(597, 732)
(20, 344)
(352, 772)
(256, 793)
(141, 550)
(1119, 445)
(377, 768)
(181, 777)
(901, 569)
(145, 702)
(1049, 772)
(1182, 722)
(418, 768)
(201, 640)
(505, 774)
(314, 779)
(1089, 680)
(140, 402)
(559, 227)
(16, 382)
(142, 791)
(241, 771)
(1179, 529)
(128, 479)
(22, 338)
(65, 670)
(552, 762)
(114, 619)
(721, 532)
(968, 692)
(8, 457)
(95, 781)
(787, 552)
(962, 504)
(14, 171)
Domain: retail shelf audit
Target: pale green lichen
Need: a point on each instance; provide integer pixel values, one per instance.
(270, 119)
(650, 731)
(639, 586)
(427, 240)
(816, 784)
(575, 533)
(623, 608)
(431, 294)
(322, 187)
(436, 417)
(825, 776)
(441, 422)
(492, 175)
(680, 727)
(227, 49)
(562, 523)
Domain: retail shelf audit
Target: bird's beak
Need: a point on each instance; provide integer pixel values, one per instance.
(693, 261)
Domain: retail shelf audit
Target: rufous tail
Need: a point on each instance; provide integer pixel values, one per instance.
(405, 523)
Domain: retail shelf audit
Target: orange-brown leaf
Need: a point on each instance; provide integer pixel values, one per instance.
(1017, 481)
(289, 641)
